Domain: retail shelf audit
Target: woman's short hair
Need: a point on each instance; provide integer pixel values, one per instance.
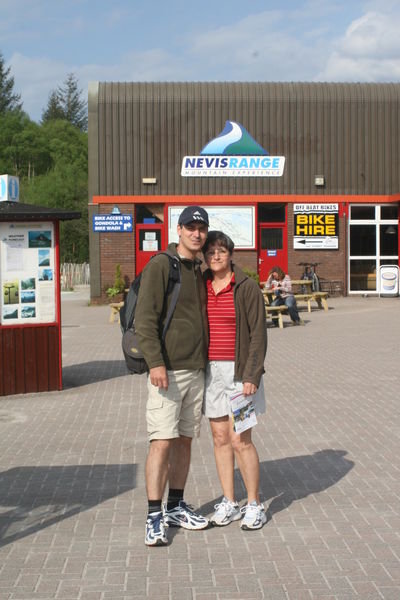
(221, 239)
(281, 274)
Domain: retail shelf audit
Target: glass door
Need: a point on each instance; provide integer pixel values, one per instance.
(373, 241)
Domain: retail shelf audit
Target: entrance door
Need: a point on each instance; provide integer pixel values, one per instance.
(149, 241)
(272, 245)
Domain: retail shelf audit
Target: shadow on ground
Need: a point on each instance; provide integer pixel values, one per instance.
(286, 480)
(42, 496)
(92, 372)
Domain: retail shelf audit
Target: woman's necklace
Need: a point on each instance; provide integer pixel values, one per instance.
(220, 284)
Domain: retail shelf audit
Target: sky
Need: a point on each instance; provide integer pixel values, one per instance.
(204, 40)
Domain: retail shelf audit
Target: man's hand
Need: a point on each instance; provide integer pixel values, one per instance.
(249, 388)
(159, 377)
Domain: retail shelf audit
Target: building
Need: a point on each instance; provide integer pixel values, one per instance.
(295, 172)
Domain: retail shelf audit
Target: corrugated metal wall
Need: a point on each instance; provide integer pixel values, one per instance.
(347, 132)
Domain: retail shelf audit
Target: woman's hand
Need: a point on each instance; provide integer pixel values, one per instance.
(249, 388)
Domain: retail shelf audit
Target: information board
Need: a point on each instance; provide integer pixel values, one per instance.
(27, 273)
(236, 221)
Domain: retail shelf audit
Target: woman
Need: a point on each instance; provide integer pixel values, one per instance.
(238, 343)
(281, 286)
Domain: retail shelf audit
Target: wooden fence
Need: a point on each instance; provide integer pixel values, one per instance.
(73, 274)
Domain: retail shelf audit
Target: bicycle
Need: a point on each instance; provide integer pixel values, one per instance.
(310, 274)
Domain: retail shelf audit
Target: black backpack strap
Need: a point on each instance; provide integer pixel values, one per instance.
(174, 287)
(171, 309)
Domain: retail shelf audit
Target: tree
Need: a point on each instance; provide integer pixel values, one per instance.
(9, 100)
(66, 103)
(54, 110)
(63, 184)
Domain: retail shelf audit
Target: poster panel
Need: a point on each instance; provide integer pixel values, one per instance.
(27, 273)
(316, 226)
(236, 221)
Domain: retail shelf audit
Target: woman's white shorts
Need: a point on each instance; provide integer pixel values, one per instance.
(220, 385)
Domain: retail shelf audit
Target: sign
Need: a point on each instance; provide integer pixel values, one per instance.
(316, 226)
(9, 188)
(389, 280)
(27, 273)
(233, 153)
(112, 222)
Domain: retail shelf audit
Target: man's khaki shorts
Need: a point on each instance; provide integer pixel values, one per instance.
(177, 410)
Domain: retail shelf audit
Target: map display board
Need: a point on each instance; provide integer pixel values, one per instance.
(27, 273)
(236, 221)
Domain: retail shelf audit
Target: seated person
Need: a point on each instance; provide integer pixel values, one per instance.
(281, 286)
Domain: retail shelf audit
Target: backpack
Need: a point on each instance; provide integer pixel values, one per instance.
(134, 358)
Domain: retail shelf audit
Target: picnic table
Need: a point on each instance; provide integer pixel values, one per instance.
(277, 312)
(115, 307)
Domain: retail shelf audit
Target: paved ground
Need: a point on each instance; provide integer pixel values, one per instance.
(72, 495)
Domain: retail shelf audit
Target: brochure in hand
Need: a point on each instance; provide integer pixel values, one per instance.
(243, 412)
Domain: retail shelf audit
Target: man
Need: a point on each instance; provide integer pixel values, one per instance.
(176, 375)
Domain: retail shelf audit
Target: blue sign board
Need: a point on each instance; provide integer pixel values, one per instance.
(116, 223)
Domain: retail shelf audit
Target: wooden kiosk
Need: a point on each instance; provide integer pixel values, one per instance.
(30, 313)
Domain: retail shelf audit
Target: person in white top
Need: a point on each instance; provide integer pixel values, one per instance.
(281, 286)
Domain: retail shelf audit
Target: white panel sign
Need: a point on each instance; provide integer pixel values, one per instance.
(9, 188)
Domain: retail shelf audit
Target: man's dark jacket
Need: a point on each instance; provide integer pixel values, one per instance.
(186, 339)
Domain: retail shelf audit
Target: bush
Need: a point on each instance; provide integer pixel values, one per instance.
(252, 274)
(119, 284)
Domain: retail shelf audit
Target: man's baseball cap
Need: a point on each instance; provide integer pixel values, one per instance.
(193, 214)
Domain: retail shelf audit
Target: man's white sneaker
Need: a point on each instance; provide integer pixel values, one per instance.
(225, 512)
(155, 530)
(184, 516)
(254, 516)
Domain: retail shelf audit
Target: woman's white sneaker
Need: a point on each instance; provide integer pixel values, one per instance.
(254, 516)
(225, 512)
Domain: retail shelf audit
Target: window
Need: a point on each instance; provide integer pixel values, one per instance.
(373, 241)
(271, 213)
(362, 213)
(271, 239)
(362, 240)
(389, 212)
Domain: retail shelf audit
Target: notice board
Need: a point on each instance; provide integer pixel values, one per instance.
(27, 273)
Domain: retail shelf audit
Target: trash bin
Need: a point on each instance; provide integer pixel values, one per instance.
(389, 280)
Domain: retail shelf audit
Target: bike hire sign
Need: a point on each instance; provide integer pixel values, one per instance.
(316, 226)
(234, 153)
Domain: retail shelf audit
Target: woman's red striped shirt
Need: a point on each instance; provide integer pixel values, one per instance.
(221, 322)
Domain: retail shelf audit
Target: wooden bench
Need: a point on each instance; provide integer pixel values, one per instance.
(304, 298)
(276, 312)
(319, 297)
(115, 308)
